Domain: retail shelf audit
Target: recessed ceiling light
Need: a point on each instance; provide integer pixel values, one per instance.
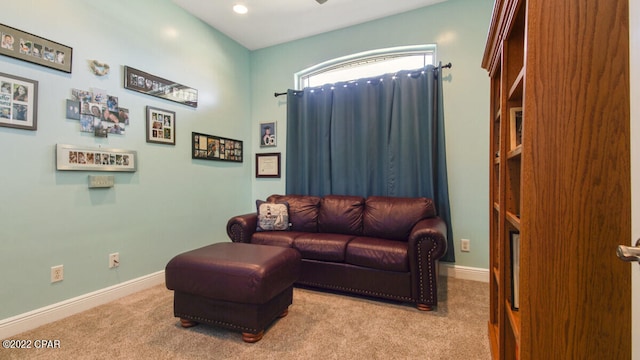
(240, 9)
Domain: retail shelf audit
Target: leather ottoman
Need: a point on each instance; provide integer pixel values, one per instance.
(242, 287)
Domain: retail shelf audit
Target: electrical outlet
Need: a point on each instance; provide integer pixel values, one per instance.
(114, 260)
(465, 245)
(57, 273)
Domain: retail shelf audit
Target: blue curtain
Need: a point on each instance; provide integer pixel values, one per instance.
(375, 136)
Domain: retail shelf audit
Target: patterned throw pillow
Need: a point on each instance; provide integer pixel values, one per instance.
(272, 216)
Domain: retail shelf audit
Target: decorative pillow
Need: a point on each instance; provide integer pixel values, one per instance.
(272, 216)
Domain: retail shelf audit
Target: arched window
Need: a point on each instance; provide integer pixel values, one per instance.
(366, 64)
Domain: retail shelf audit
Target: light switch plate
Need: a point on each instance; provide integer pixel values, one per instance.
(101, 181)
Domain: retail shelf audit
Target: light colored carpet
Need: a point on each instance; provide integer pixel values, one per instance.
(320, 325)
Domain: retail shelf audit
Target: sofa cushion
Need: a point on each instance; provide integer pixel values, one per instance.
(394, 217)
(272, 216)
(341, 214)
(303, 211)
(275, 238)
(378, 254)
(322, 246)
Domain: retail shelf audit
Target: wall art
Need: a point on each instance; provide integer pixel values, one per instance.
(268, 165)
(35, 49)
(515, 127)
(146, 83)
(99, 68)
(268, 134)
(161, 126)
(515, 269)
(99, 113)
(71, 157)
(210, 147)
(18, 102)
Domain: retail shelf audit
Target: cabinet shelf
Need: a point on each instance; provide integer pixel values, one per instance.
(514, 320)
(514, 220)
(515, 92)
(515, 153)
(507, 89)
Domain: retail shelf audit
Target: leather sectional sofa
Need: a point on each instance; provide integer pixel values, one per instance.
(385, 247)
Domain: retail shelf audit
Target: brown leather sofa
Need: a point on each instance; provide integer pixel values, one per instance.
(386, 247)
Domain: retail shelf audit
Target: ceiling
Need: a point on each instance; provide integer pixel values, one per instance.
(272, 22)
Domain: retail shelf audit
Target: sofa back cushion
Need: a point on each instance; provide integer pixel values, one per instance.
(303, 211)
(393, 217)
(341, 214)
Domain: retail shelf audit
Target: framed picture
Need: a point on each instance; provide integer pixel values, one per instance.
(70, 157)
(211, 147)
(268, 165)
(515, 269)
(73, 109)
(34, 49)
(146, 83)
(161, 126)
(99, 113)
(268, 134)
(18, 102)
(515, 127)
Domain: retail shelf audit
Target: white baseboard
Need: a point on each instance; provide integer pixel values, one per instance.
(33, 319)
(464, 272)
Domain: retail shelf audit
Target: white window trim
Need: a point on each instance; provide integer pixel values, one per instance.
(361, 57)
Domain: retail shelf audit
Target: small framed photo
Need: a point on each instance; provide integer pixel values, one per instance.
(268, 165)
(268, 134)
(515, 127)
(161, 126)
(18, 102)
(73, 109)
(515, 269)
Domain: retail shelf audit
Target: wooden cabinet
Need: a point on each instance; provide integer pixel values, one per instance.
(559, 179)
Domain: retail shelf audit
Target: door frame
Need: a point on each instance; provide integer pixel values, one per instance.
(634, 92)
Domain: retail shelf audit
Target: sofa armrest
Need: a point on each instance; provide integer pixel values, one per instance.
(241, 227)
(427, 244)
(433, 229)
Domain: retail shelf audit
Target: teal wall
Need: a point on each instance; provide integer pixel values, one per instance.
(459, 28)
(173, 203)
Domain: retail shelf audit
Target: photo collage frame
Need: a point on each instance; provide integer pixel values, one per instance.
(34, 49)
(146, 83)
(161, 126)
(98, 112)
(70, 157)
(210, 147)
(18, 102)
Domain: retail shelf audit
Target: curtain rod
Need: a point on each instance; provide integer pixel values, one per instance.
(447, 66)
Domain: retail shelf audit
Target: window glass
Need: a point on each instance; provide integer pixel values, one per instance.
(366, 64)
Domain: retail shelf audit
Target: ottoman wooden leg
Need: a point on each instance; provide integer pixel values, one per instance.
(187, 323)
(251, 338)
(284, 313)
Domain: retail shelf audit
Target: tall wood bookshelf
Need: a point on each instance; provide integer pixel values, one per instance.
(559, 179)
